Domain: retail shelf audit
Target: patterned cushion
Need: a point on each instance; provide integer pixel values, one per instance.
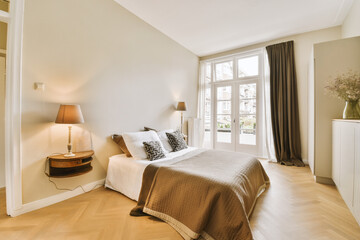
(176, 140)
(153, 150)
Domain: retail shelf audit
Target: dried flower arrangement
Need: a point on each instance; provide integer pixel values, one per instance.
(345, 86)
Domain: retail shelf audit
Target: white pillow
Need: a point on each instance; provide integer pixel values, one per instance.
(134, 142)
(164, 139)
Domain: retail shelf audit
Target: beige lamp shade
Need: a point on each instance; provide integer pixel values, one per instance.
(69, 114)
(181, 106)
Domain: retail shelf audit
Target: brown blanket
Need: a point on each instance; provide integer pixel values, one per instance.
(208, 195)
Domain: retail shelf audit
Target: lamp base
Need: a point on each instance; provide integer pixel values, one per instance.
(69, 155)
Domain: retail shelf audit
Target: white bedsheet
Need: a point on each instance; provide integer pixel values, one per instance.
(125, 174)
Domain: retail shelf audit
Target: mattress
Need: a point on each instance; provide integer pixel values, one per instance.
(125, 174)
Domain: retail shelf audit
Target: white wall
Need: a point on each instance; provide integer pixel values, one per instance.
(303, 44)
(351, 25)
(124, 73)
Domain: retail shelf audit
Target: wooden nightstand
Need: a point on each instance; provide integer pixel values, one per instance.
(60, 166)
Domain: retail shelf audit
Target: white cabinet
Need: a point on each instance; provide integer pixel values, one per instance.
(357, 174)
(346, 162)
(336, 141)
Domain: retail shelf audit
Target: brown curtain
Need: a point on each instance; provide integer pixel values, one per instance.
(284, 104)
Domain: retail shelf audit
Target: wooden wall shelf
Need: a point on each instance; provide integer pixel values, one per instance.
(61, 166)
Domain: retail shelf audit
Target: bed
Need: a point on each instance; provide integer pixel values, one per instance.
(125, 173)
(202, 194)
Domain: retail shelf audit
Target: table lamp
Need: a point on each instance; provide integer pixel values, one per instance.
(69, 114)
(181, 107)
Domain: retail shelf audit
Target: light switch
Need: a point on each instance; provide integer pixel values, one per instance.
(39, 86)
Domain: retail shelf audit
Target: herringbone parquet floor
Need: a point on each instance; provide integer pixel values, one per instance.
(293, 207)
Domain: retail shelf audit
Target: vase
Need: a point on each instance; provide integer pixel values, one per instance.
(351, 110)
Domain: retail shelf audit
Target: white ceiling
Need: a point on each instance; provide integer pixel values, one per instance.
(210, 26)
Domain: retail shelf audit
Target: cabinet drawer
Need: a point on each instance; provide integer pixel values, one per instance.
(65, 164)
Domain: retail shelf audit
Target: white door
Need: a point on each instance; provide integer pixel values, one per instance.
(247, 126)
(224, 137)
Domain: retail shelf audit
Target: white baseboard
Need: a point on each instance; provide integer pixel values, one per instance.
(28, 207)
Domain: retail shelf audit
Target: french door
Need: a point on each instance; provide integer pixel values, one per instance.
(235, 120)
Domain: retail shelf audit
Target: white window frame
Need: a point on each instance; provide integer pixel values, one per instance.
(235, 83)
(247, 55)
(213, 67)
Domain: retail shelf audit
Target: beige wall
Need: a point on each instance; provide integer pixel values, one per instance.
(351, 25)
(3, 26)
(124, 73)
(4, 6)
(303, 49)
(3, 35)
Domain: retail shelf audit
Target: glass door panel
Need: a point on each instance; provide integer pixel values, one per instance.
(224, 128)
(247, 116)
(248, 130)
